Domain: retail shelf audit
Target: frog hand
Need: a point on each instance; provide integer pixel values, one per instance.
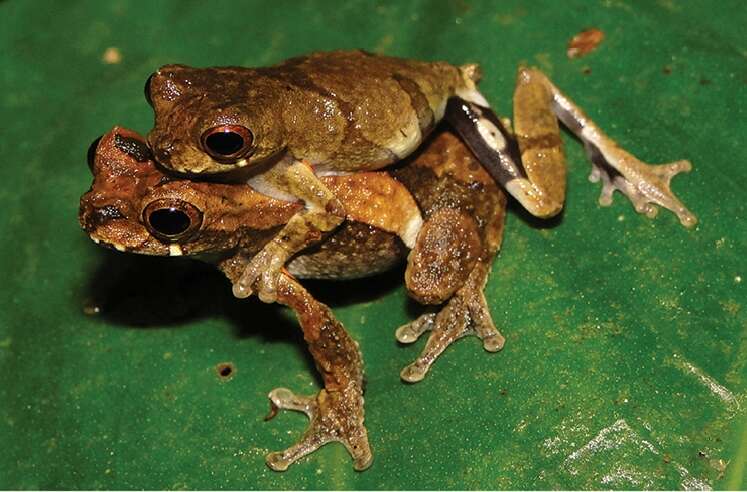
(465, 313)
(262, 273)
(333, 416)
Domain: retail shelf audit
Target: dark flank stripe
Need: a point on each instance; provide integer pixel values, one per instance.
(418, 101)
(546, 141)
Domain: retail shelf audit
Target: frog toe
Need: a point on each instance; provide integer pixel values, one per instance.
(333, 416)
(647, 186)
(466, 313)
(410, 332)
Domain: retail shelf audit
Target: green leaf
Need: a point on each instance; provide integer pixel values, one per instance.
(626, 348)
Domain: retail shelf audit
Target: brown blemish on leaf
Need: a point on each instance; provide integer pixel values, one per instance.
(584, 42)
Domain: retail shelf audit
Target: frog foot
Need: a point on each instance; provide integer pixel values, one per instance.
(645, 185)
(333, 416)
(466, 313)
(261, 274)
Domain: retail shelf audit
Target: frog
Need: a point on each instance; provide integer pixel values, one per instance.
(440, 212)
(284, 127)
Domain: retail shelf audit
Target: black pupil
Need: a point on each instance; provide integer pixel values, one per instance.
(169, 221)
(224, 143)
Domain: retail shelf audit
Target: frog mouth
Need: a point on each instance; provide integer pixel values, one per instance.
(124, 239)
(146, 249)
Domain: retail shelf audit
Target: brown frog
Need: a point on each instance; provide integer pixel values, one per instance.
(283, 128)
(441, 202)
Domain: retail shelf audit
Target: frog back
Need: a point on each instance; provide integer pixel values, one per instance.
(352, 110)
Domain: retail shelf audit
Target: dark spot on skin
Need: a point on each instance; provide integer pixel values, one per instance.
(137, 149)
(586, 70)
(546, 141)
(225, 370)
(502, 164)
(102, 215)
(666, 70)
(705, 81)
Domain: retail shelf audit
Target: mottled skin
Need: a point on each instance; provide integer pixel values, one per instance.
(339, 111)
(352, 111)
(228, 224)
(332, 112)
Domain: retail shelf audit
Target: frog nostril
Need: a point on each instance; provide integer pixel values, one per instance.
(162, 152)
(95, 217)
(108, 212)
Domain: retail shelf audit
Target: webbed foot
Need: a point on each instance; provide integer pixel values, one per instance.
(333, 416)
(465, 313)
(645, 185)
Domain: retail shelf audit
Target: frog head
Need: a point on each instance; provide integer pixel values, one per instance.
(211, 121)
(133, 206)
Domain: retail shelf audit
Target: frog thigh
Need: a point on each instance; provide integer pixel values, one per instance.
(446, 251)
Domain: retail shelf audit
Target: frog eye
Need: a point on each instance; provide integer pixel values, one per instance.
(227, 143)
(92, 152)
(172, 220)
(147, 89)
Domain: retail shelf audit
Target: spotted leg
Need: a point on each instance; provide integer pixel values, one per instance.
(336, 412)
(533, 169)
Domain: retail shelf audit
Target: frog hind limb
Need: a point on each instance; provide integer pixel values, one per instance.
(465, 313)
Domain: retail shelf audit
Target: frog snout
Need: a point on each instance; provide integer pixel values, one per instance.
(162, 153)
(91, 217)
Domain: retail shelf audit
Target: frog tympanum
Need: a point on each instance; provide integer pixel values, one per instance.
(441, 204)
(281, 128)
